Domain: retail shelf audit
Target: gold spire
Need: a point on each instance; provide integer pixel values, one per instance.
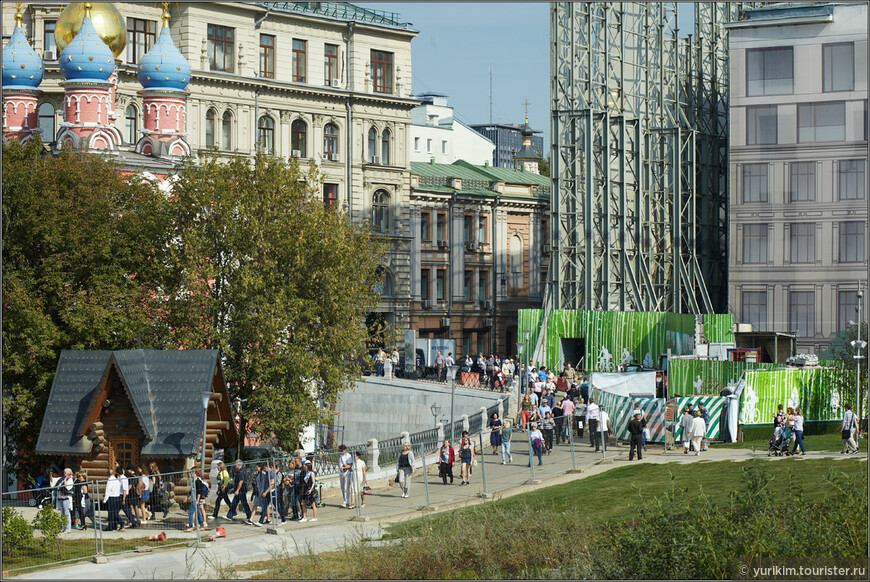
(165, 15)
(18, 15)
(87, 9)
(526, 105)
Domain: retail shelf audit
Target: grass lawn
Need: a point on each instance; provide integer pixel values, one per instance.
(824, 442)
(606, 497)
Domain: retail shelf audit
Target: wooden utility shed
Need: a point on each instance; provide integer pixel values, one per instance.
(135, 406)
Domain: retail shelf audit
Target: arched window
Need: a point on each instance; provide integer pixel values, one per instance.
(386, 286)
(330, 142)
(381, 210)
(46, 121)
(266, 135)
(385, 147)
(132, 116)
(299, 137)
(210, 116)
(227, 130)
(516, 263)
(373, 145)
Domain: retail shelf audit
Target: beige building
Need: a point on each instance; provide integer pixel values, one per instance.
(798, 165)
(329, 83)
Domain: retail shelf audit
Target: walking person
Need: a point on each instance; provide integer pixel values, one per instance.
(64, 497)
(112, 500)
(263, 494)
(80, 502)
(441, 366)
(405, 468)
(593, 414)
(198, 493)
(144, 490)
(559, 420)
(568, 408)
(686, 429)
(309, 485)
(536, 444)
(466, 458)
(361, 479)
(240, 493)
(133, 492)
(548, 427)
(698, 430)
(525, 410)
(580, 416)
(635, 429)
(798, 432)
(223, 489)
(849, 430)
(446, 459)
(159, 497)
(298, 492)
(506, 433)
(603, 428)
(706, 416)
(495, 425)
(125, 496)
(345, 468)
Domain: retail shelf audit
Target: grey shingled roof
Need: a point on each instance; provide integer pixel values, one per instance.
(163, 385)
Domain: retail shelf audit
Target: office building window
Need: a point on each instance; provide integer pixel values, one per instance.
(468, 228)
(440, 278)
(754, 309)
(467, 285)
(802, 181)
(482, 285)
(330, 65)
(425, 231)
(847, 308)
(440, 231)
(838, 67)
(46, 121)
(227, 130)
(330, 141)
(424, 284)
(481, 229)
(802, 313)
(141, 34)
(381, 210)
(429, 146)
(852, 242)
(267, 56)
(330, 195)
(48, 43)
(131, 116)
(373, 145)
(516, 258)
(802, 237)
(770, 71)
(266, 135)
(482, 342)
(818, 122)
(416, 144)
(851, 179)
(299, 138)
(754, 243)
(382, 71)
(299, 66)
(385, 146)
(755, 182)
(209, 128)
(221, 48)
(761, 125)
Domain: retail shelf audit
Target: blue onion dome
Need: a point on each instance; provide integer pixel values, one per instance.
(22, 66)
(164, 67)
(87, 57)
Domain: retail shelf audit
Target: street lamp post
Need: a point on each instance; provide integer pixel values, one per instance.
(436, 410)
(520, 350)
(859, 346)
(206, 396)
(528, 334)
(451, 370)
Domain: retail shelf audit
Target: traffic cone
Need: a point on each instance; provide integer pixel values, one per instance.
(219, 532)
(158, 538)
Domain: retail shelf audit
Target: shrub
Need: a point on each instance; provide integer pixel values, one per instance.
(16, 531)
(50, 522)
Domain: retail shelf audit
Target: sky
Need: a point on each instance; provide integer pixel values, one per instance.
(459, 42)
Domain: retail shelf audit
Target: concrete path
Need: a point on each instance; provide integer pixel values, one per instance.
(245, 543)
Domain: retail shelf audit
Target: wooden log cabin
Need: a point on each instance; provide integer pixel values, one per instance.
(135, 406)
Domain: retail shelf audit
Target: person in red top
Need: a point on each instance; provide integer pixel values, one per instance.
(446, 458)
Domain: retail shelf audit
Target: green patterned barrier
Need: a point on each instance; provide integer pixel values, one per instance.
(619, 408)
(687, 376)
(714, 406)
(717, 328)
(813, 390)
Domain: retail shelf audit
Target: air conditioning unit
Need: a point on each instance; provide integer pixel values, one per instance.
(547, 249)
(336, 83)
(49, 55)
(427, 304)
(333, 157)
(443, 244)
(376, 160)
(297, 153)
(471, 246)
(486, 304)
(487, 322)
(445, 322)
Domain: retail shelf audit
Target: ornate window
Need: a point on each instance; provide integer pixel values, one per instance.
(266, 135)
(227, 130)
(267, 56)
(330, 63)
(373, 143)
(141, 34)
(385, 147)
(299, 50)
(381, 210)
(132, 117)
(46, 121)
(209, 127)
(330, 141)
(382, 71)
(516, 262)
(298, 137)
(221, 49)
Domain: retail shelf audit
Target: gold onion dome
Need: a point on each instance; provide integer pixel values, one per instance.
(108, 22)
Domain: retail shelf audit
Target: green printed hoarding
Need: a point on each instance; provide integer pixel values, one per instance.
(689, 376)
(606, 339)
(814, 390)
(717, 328)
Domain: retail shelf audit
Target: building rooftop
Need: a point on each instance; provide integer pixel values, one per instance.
(341, 11)
(475, 179)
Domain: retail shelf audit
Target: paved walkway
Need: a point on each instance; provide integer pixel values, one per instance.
(245, 543)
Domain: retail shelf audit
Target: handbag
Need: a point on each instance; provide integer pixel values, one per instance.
(366, 489)
(846, 434)
(396, 480)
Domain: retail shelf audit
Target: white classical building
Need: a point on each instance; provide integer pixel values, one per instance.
(798, 168)
(329, 83)
(437, 135)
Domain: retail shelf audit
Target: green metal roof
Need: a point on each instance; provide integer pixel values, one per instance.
(468, 172)
(508, 175)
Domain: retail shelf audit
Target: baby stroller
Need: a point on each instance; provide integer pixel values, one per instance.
(40, 495)
(778, 445)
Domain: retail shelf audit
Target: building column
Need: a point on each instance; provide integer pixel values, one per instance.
(500, 249)
(415, 253)
(534, 257)
(457, 266)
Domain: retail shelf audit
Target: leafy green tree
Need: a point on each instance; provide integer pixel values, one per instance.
(77, 272)
(840, 350)
(544, 167)
(257, 266)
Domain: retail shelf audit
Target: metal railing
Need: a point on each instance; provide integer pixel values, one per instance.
(340, 10)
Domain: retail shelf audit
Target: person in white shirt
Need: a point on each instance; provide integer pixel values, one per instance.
(686, 421)
(345, 465)
(125, 491)
(603, 420)
(592, 416)
(64, 497)
(698, 430)
(798, 432)
(360, 478)
(849, 429)
(112, 499)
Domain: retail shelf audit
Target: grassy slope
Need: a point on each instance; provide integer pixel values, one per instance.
(825, 442)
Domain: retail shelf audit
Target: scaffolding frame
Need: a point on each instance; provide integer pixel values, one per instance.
(639, 157)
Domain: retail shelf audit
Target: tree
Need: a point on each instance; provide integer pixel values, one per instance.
(76, 272)
(840, 350)
(257, 266)
(544, 167)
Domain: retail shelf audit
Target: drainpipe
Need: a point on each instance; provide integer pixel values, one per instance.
(260, 21)
(349, 130)
(256, 116)
(495, 275)
(449, 225)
